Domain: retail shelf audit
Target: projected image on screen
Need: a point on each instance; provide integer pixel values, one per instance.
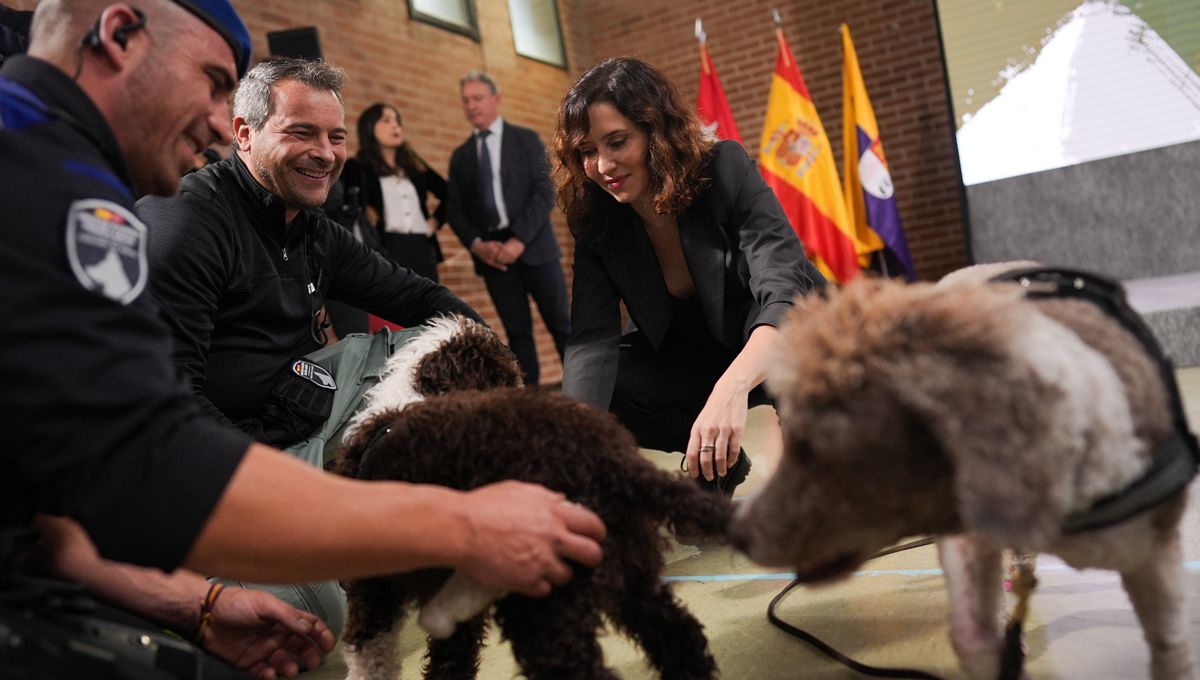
(1044, 84)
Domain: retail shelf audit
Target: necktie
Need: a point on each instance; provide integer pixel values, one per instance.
(485, 182)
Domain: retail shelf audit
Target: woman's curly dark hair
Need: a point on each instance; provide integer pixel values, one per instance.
(678, 150)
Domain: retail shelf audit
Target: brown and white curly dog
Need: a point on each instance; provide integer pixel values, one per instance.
(470, 438)
(968, 411)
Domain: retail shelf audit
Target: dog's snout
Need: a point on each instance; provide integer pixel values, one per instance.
(739, 539)
(738, 531)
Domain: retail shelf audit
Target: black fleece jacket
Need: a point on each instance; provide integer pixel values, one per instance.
(239, 287)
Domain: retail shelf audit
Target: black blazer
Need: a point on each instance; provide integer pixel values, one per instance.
(744, 257)
(528, 194)
(358, 174)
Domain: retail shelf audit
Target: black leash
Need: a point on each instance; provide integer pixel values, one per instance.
(827, 650)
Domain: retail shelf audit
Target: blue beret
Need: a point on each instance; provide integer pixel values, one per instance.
(224, 19)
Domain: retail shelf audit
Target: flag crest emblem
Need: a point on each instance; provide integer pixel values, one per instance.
(106, 248)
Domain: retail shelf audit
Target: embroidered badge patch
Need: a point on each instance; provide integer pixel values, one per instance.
(314, 374)
(106, 245)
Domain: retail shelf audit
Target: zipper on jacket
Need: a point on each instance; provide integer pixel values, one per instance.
(285, 255)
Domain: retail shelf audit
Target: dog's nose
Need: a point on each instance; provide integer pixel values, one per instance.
(738, 535)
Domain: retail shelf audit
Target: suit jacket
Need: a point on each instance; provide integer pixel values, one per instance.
(528, 194)
(359, 174)
(744, 257)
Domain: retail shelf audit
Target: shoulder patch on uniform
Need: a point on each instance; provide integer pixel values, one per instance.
(106, 246)
(314, 374)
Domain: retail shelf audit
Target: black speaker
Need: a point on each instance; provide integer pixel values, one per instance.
(298, 43)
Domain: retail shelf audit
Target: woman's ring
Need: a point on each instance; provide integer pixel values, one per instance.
(707, 447)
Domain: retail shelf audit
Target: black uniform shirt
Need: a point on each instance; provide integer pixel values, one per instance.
(97, 425)
(234, 281)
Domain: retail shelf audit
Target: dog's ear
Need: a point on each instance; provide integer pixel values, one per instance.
(999, 424)
(1005, 457)
(350, 453)
(473, 358)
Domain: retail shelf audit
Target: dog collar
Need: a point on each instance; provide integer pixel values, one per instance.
(1178, 459)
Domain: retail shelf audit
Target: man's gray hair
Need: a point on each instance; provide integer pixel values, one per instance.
(254, 101)
(479, 77)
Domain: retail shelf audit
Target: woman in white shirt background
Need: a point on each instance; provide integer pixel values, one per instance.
(394, 185)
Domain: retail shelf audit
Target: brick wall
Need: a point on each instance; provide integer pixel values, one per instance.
(416, 67)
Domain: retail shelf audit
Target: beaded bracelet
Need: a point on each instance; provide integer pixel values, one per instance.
(206, 608)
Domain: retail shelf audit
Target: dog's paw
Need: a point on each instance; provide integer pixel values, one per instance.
(460, 599)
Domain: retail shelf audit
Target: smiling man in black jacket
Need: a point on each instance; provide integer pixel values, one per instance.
(243, 259)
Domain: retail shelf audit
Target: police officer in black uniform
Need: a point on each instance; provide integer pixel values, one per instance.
(108, 452)
(73, 263)
(91, 404)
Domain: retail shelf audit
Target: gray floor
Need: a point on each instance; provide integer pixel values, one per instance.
(891, 613)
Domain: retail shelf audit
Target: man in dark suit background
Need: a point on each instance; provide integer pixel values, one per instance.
(498, 203)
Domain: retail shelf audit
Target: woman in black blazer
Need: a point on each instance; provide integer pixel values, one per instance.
(394, 185)
(685, 232)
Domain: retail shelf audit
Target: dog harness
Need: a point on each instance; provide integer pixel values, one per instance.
(1178, 459)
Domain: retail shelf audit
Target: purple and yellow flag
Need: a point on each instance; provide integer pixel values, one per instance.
(796, 160)
(867, 184)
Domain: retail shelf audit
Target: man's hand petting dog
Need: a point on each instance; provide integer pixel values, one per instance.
(522, 536)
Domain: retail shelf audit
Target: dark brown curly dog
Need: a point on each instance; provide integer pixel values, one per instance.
(468, 439)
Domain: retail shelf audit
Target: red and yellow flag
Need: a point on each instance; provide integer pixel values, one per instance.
(711, 103)
(797, 162)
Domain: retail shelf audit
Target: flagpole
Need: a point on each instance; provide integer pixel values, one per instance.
(779, 30)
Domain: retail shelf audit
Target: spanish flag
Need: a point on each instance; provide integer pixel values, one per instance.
(866, 182)
(797, 162)
(711, 103)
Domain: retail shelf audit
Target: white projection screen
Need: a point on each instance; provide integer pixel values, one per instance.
(1078, 130)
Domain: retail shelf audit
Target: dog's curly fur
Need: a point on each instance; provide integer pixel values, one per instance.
(467, 439)
(967, 411)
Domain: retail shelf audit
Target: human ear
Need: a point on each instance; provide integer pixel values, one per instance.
(241, 133)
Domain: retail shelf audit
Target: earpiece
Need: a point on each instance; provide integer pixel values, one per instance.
(120, 36)
(91, 39)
